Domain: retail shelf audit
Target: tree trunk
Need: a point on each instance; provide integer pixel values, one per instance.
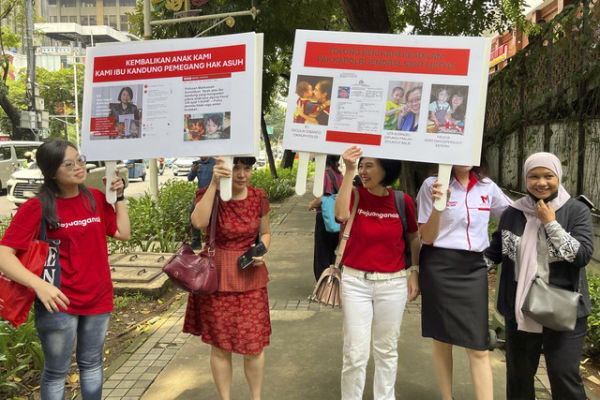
(268, 150)
(367, 16)
(14, 115)
(287, 161)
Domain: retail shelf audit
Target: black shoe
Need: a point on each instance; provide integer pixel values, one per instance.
(196, 245)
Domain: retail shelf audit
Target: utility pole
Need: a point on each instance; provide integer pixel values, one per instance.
(31, 80)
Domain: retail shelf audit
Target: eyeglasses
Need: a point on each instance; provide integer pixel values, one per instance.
(70, 164)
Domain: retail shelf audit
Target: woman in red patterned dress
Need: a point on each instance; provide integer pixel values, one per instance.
(235, 319)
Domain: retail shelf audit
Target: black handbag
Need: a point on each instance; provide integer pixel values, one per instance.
(196, 273)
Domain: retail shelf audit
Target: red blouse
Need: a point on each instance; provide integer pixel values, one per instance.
(238, 223)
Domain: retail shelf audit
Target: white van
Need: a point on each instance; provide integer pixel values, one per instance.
(12, 157)
(26, 182)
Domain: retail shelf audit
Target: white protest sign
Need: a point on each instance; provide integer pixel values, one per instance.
(416, 98)
(170, 98)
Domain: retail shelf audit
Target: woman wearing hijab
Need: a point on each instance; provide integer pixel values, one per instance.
(547, 229)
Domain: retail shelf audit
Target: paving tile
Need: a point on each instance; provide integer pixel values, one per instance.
(118, 392)
(126, 384)
(142, 383)
(110, 384)
(136, 392)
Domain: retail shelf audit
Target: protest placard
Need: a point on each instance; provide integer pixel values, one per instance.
(417, 98)
(170, 98)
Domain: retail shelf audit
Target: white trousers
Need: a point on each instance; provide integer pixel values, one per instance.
(377, 307)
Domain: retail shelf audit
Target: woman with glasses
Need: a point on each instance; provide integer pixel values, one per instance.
(75, 308)
(410, 117)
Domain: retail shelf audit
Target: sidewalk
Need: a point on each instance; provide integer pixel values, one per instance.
(305, 356)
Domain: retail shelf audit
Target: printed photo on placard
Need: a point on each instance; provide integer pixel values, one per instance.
(212, 126)
(116, 112)
(399, 114)
(447, 109)
(313, 99)
(343, 92)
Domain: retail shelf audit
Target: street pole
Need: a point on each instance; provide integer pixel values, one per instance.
(31, 80)
(76, 102)
(152, 162)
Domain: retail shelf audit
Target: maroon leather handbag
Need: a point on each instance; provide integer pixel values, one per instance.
(196, 273)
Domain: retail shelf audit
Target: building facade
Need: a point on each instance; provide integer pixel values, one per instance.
(88, 12)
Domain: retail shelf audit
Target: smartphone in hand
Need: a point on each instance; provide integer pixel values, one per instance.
(245, 260)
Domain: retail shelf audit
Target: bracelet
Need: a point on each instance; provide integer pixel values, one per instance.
(413, 268)
(121, 197)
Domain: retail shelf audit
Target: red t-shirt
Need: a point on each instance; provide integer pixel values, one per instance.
(85, 273)
(376, 241)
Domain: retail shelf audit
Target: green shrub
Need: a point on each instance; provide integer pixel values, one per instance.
(20, 352)
(159, 225)
(4, 222)
(278, 189)
(593, 333)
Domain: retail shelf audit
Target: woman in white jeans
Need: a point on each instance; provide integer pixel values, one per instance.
(376, 280)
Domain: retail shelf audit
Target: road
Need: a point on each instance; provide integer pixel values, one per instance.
(135, 188)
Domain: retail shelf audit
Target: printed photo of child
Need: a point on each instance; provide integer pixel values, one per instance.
(447, 109)
(209, 126)
(402, 108)
(314, 99)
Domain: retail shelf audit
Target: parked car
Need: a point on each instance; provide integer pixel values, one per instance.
(261, 160)
(13, 155)
(136, 169)
(183, 165)
(26, 182)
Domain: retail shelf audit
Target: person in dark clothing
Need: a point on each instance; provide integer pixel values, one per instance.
(548, 234)
(203, 170)
(325, 242)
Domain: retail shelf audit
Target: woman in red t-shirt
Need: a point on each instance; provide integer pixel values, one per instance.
(234, 319)
(376, 282)
(78, 305)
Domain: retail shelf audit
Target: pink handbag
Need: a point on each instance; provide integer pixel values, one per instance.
(328, 289)
(196, 273)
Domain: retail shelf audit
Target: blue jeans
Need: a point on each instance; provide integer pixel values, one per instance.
(57, 333)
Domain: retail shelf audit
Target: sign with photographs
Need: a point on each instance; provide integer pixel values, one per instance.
(170, 98)
(417, 98)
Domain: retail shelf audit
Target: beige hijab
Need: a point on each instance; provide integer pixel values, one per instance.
(528, 257)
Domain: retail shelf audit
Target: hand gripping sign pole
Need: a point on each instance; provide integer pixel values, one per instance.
(444, 171)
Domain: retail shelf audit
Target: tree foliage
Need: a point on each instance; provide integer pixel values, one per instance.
(277, 19)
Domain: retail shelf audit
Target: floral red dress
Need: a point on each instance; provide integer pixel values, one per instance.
(236, 317)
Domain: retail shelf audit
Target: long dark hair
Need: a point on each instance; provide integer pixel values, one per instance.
(50, 156)
(332, 161)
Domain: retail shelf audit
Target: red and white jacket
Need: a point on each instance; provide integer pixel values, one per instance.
(464, 222)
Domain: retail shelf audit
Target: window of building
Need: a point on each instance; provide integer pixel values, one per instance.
(109, 3)
(124, 23)
(52, 3)
(127, 3)
(68, 3)
(110, 20)
(53, 18)
(73, 18)
(92, 19)
(64, 19)
(87, 3)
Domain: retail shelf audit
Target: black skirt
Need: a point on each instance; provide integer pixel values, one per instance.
(454, 294)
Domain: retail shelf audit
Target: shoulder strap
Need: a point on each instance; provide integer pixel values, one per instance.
(347, 229)
(213, 224)
(401, 208)
(333, 180)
